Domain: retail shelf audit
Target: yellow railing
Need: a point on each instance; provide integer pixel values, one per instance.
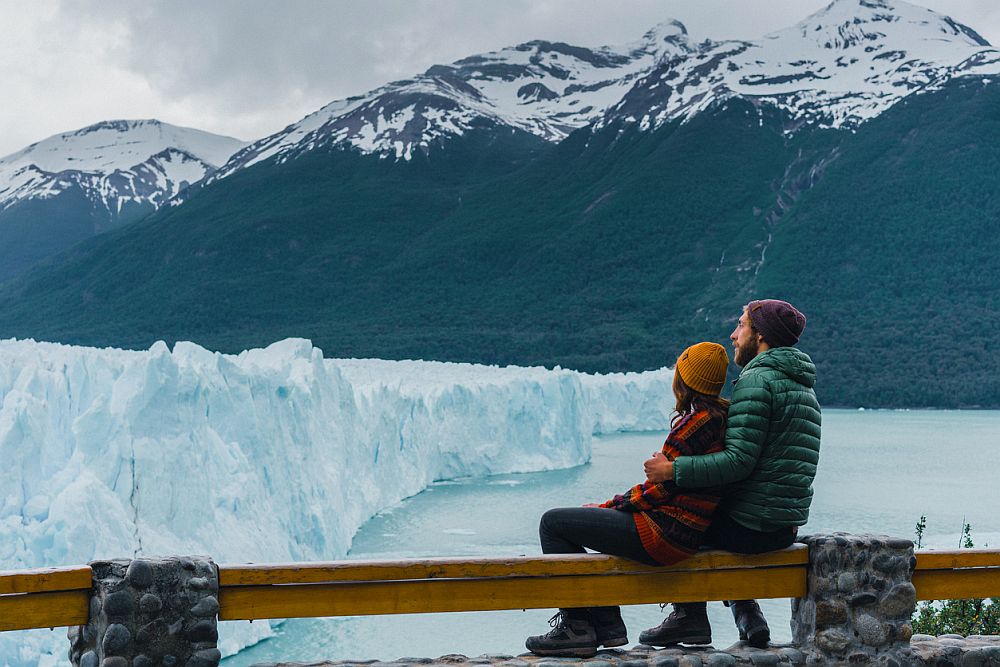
(957, 574)
(55, 597)
(405, 587)
(47, 598)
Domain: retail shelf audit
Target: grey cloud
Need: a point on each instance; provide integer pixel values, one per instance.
(235, 57)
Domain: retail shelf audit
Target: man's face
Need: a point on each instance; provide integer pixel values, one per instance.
(746, 341)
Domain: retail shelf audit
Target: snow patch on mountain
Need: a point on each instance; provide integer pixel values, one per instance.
(845, 64)
(544, 88)
(114, 163)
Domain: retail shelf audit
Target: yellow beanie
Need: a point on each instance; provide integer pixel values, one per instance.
(703, 367)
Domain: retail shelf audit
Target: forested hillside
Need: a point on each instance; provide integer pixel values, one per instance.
(609, 251)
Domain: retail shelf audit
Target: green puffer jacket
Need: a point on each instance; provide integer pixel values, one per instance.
(772, 444)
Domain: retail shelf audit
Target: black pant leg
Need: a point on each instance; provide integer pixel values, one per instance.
(725, 533)
(568, 530)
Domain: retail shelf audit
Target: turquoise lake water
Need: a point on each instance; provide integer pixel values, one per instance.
(879, 471)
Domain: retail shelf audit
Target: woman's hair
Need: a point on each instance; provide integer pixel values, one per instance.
(688, 399)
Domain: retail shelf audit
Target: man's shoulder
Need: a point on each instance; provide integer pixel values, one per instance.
(752, 391)
(754, 374)
(778, 364)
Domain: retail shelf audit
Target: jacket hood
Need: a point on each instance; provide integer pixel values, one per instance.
(789, 360)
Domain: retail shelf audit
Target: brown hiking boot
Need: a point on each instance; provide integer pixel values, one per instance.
(686, 624)
(751, 623)
(609, 626)
(572, 636)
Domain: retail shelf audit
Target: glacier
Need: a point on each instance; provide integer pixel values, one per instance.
(272, 455)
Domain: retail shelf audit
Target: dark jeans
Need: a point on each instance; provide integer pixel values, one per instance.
(573, 530)
(567, 530)
(724, 533)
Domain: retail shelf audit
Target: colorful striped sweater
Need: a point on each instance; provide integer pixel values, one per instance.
(672, 521)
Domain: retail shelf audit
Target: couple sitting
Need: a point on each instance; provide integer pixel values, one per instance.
(731, 475)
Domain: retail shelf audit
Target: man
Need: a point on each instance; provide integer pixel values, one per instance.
(767, 466)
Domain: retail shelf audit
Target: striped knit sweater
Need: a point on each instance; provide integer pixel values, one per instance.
(672, 521)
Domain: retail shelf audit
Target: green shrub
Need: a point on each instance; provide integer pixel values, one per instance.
(963, 617)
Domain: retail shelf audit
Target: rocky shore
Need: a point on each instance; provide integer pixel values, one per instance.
(923, 651)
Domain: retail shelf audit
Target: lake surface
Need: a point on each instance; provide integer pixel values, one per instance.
(879, 471)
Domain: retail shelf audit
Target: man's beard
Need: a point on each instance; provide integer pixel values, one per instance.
(745, 353)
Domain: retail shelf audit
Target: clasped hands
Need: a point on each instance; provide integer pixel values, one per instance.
(658, 468)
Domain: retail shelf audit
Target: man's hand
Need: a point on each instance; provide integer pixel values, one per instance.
(658, 468)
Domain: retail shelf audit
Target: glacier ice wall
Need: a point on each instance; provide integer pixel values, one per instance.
(275, 454)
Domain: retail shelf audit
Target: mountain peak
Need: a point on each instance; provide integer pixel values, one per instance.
(120, 125)
(844, 64)
(847, 23)
(544, 88)
(666, 39)
(670, 31)
(120, 144)
(114, 161)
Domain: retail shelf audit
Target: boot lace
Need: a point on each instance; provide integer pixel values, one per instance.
(560, 627)
(673, 615)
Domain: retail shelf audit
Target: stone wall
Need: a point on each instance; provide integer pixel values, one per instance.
(860, 598)
(150, 613)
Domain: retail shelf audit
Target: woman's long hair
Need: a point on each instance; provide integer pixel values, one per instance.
(688, 399)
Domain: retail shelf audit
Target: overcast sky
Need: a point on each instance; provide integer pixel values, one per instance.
(247, 68)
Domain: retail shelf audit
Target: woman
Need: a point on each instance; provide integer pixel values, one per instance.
(655, 524)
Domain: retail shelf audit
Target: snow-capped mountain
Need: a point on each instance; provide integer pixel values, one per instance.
(115, 164)
(64, 189)
(544, 88)
(839, 67)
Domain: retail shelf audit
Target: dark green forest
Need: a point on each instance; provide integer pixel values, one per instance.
(610, 251)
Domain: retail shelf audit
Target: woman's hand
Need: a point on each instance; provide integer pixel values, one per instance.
(658, 468)
(591, 505)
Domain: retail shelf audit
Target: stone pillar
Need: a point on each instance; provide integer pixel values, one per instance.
(859, 600)
(150, 612)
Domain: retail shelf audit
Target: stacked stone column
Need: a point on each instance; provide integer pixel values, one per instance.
(859, 601)
(150, 613)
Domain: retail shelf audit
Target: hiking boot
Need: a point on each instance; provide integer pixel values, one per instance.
(750, 622)
(609, 626)
(572, 636)
(686, 624)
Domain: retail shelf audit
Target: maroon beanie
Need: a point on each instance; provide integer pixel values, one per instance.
(777, 321)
